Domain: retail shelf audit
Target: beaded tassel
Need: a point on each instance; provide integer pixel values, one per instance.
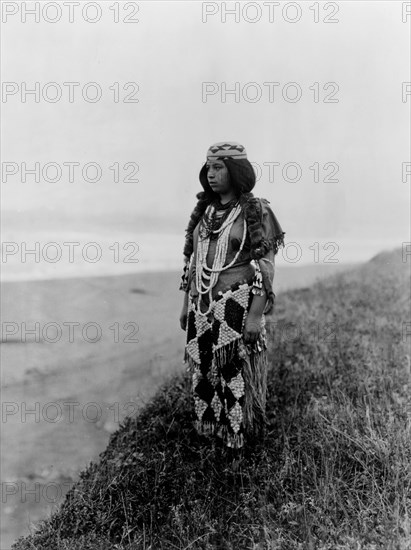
(257, 281)
(184, 276)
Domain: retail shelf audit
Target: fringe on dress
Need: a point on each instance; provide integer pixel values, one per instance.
(229, 379)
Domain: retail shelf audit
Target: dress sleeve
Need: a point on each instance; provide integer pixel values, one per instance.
(273, 235)
(272, 239)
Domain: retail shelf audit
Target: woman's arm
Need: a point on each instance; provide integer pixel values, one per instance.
(252, 325)
(253, 321)
(183, 314)
(257, 306)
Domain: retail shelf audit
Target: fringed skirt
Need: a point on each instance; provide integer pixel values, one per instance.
(229, 379)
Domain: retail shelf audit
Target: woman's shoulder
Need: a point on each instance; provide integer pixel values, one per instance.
(268, 217)
(258, 208)
(262, 200)
(264, 205)
(257, 200)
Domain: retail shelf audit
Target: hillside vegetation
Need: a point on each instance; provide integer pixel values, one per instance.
(333, 472)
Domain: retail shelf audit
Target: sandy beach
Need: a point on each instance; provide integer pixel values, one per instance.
(98, 350)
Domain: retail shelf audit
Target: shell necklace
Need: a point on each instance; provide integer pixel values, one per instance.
(206, 277)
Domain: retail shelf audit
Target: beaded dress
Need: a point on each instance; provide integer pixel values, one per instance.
(229, 379)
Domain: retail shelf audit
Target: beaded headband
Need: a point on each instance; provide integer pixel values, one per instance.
(226, 150)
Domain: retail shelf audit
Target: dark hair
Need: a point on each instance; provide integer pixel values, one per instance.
(242, 176)
(243, 180)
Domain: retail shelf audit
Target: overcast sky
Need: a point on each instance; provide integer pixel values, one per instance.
(170, 53)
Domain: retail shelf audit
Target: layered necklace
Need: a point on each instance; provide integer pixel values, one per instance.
(215, 217)
(206, 277)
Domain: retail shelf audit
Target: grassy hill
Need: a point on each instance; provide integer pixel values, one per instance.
(333, 472)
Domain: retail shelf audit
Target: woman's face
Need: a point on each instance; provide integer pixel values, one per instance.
(218, 176)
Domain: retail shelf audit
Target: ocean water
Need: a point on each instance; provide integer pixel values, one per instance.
(42, 255)
(55, 255)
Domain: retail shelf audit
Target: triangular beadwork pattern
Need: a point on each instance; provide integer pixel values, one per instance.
(214, 355)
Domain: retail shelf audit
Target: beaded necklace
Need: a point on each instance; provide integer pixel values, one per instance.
(206, 277)
(217, 216)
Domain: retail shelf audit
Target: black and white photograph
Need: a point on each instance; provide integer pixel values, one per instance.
(205, 275)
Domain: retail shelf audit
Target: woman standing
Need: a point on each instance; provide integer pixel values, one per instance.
(231, 241)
